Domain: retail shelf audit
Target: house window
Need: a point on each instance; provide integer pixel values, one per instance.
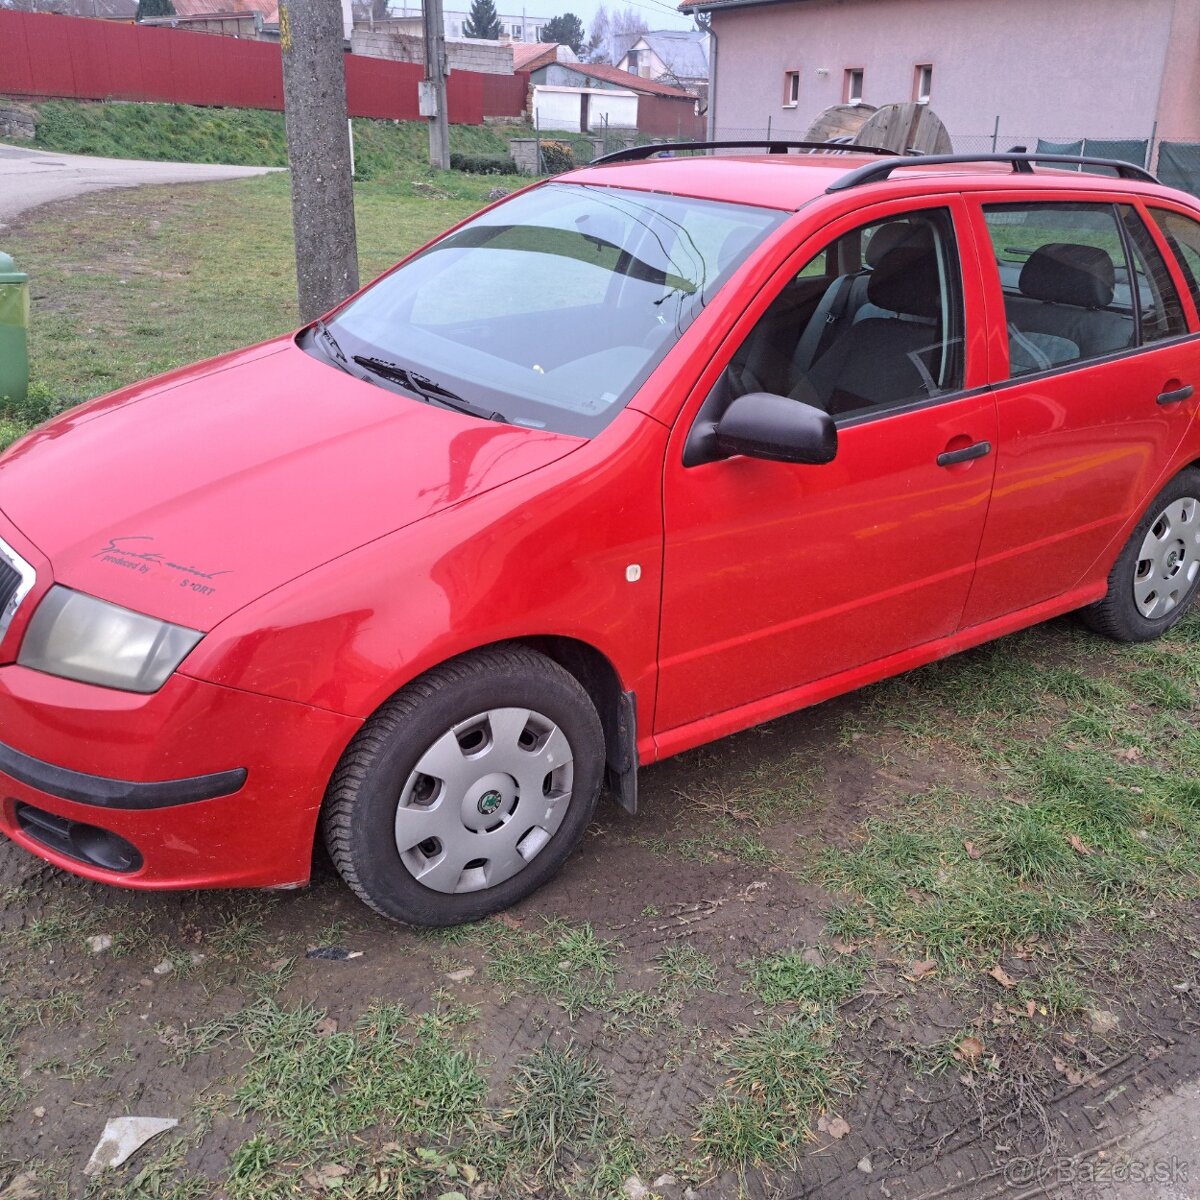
(852, 89)
(516, 32)
(791, 89)
(922, 83)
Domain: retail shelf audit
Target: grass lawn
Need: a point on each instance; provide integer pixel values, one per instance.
(134, 284)
(927, 927)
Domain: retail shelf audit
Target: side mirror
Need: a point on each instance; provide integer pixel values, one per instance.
(763, 425)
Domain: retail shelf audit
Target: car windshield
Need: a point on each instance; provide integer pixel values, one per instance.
(554, 307)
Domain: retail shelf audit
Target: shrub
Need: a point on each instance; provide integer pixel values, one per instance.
(557, 157)
(483, 164)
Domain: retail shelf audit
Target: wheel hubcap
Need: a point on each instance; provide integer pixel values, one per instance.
(1169, 559)
(484, 800)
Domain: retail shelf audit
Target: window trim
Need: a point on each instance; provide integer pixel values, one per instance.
(994, 289)
(847, 83)
(1084, 363)
(1190, 289)
(922, 96)
(835, 227)
(791, 88)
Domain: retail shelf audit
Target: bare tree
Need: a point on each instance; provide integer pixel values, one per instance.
(607, 29)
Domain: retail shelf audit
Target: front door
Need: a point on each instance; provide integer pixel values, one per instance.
(778, 575)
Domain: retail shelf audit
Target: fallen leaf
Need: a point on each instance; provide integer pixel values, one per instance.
(972, 850)
(836, 1127)
(1069, 1073)
(326, 1177)
(969, 1049)
(919, 970)
(1079, 845)
(1002, 977)
(1030, 1008)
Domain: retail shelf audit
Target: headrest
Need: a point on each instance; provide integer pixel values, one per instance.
(906, 281)
(896, 233)
(1067, 273)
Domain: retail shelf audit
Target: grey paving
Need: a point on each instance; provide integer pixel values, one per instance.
(29, 178)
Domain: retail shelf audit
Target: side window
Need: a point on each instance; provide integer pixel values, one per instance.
(1066, 283)
(1183, 236)
(1159, 311)
(871, 322)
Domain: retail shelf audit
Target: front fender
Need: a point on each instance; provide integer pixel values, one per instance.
(545, 555)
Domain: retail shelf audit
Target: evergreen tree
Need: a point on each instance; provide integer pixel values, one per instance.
(154, 8)
(482, 22)
(566, 30)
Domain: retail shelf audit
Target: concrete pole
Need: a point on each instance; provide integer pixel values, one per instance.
(433, 88)
(314, 98)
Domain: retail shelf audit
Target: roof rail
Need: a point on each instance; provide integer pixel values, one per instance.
(1022, 164)
(633, 153)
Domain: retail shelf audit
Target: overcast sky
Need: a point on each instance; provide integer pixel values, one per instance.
(659, 14)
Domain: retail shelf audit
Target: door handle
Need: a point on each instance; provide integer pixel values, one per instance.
(1180, 393)
(949, 457)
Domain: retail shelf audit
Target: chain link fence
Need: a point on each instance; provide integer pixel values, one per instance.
(1176, 163)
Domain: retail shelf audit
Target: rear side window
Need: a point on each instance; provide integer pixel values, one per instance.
(1158, 309)
(1070, 291)
(1183, 236)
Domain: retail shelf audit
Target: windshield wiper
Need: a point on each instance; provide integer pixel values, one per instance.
(427, 389)
(330, 345)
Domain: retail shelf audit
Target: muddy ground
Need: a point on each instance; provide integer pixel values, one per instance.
(1059, 1091)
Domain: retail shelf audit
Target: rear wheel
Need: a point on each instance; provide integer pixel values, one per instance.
(468, 789)
(1154, 580)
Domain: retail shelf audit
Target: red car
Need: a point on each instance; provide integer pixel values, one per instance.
(636, 458)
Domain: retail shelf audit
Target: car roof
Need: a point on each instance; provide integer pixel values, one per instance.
(790, 181)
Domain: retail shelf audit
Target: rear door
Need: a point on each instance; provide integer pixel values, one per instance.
(1094, 369)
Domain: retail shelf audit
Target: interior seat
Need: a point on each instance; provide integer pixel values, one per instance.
(846, 297)
(1062, 313)
(883, 360)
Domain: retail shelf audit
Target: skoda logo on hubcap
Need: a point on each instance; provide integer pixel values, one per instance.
(489, 802)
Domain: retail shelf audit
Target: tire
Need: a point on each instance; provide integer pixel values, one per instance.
(1155, 577)
(467, 790)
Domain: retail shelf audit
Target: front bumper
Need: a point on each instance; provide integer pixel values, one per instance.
(211, 786)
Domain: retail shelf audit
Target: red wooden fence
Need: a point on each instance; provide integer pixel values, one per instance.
(43, 55)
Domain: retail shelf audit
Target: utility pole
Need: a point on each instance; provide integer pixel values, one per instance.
(312, 37)
(433, 86)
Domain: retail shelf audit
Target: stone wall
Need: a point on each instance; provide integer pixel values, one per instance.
(16, 124)
(466, 54)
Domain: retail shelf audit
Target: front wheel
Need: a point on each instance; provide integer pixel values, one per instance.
(1154, 580)
(468, 789)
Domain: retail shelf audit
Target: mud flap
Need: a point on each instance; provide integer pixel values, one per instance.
(622, 766)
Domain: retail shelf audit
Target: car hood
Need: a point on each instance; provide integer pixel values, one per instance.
(191, 495)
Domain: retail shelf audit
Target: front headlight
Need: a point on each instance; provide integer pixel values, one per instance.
(80, 637)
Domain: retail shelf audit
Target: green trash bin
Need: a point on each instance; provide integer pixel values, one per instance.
(14, 322)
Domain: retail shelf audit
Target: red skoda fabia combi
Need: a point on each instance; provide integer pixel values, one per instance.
(636, 458)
